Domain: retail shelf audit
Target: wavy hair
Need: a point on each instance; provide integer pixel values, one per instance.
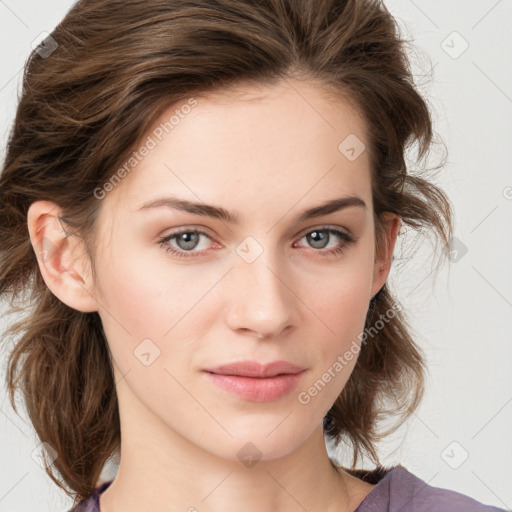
(94, 88)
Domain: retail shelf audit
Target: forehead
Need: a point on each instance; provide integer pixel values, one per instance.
(277, 142)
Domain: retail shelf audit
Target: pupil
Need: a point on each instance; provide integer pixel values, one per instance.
(189, 238)
(319, 235)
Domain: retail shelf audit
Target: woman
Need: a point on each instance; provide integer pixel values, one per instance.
(202, 199)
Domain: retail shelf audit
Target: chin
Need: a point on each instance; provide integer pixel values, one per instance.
(263, 442)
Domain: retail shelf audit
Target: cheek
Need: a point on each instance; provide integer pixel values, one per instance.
(139, 290)
(131, 298)
(152, 300)
(337, 350)
(341, 310)
(131, 307)
(340, 306)
(340, 302)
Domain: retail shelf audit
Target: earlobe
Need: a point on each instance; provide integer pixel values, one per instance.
(384, 257)
(61, 257)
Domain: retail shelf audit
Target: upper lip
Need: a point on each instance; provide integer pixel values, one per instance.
(255, 369)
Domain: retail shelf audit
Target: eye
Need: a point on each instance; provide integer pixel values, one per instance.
(187, 241)
(319, 238)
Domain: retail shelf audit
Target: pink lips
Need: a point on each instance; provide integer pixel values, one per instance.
(257, 382)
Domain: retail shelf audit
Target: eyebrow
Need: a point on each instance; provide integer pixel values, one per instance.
(217, 212)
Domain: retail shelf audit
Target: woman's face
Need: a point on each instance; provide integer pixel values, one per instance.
(258, 275)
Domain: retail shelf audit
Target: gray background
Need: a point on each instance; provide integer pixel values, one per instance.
(460, 437)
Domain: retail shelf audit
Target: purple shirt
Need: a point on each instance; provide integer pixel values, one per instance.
(395, 490)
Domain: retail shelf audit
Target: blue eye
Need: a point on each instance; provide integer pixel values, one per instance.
(189, 239)
(321, 236)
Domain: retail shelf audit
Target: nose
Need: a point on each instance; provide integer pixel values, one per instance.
(262, 301)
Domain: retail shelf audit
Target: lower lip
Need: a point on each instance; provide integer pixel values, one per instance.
(257, 389)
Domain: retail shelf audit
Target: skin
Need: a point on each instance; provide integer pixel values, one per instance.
(267, 153)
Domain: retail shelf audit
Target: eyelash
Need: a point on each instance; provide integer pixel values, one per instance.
(189, 254)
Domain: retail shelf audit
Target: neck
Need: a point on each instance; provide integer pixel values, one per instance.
(162, 471)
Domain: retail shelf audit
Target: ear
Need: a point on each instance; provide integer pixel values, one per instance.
(62, 259)
(384, 252)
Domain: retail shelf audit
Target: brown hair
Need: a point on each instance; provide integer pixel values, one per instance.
(94, 89)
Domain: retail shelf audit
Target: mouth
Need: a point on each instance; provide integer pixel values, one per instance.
(256, 382)
(257, 370)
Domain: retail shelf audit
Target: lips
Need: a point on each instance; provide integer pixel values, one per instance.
(256, 382)
(255, 369)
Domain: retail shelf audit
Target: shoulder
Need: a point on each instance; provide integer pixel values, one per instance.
(399, 490)
(91, 504)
